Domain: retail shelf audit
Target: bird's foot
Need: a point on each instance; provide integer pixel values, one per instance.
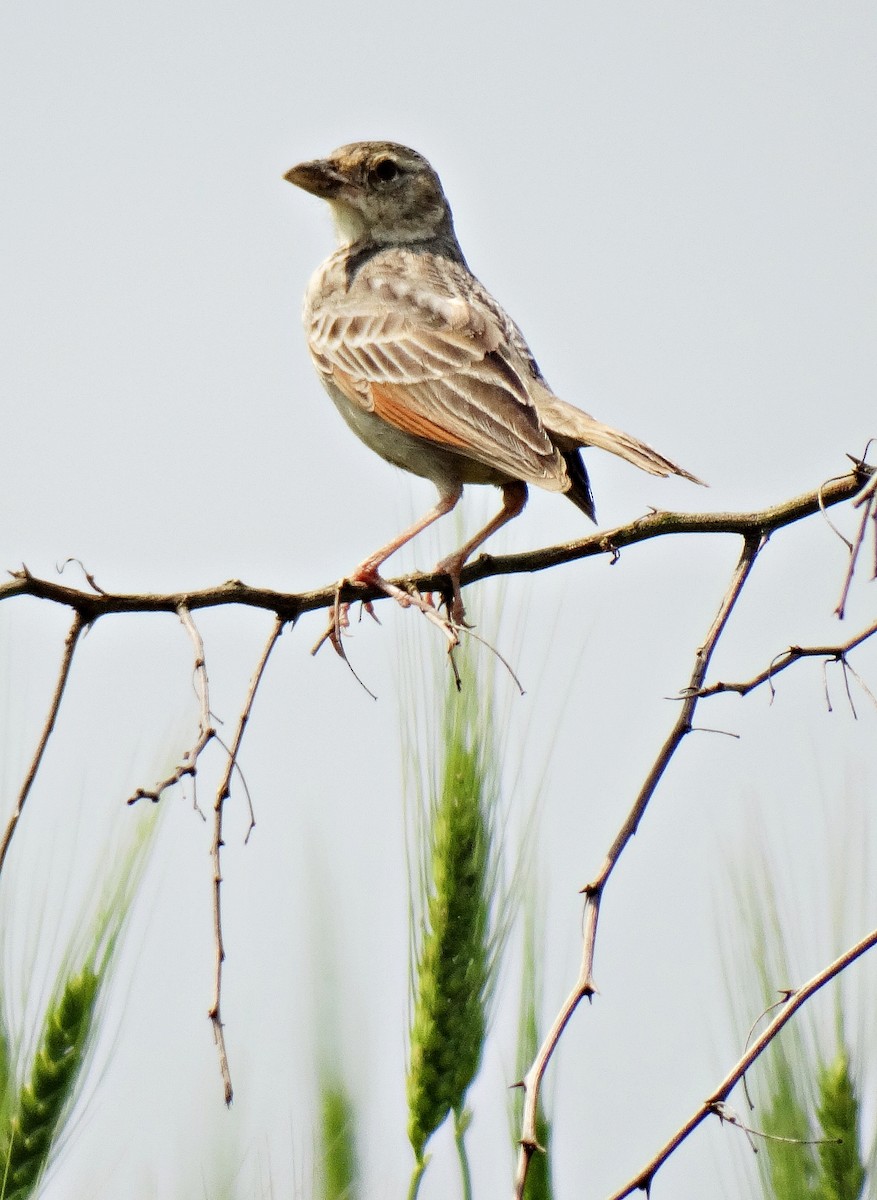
(339, 616)
(339, 619)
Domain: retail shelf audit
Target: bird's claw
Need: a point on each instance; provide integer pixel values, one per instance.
(453, 598)
(339, 621)
(339, 615)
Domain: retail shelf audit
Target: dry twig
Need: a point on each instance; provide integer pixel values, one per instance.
(188, 764)
(222, 794)
(833, 653)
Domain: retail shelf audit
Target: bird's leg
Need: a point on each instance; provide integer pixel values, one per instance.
(367, 572)
(514, 497)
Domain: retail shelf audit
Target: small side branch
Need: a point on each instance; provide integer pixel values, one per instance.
(832, 653)
(867, 501)
(585, 985)
(714, 1104)
(63, 674)
(222, 794)
(188, 764)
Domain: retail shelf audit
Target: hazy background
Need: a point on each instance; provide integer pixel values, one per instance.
(676, 203)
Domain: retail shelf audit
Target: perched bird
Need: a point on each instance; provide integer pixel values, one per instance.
(425, 366)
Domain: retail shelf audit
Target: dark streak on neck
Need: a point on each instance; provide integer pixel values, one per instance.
(443, 245)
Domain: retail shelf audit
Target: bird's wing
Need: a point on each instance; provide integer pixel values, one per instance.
(438, 366)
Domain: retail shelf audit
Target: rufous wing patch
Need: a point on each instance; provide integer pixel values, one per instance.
(390, 404)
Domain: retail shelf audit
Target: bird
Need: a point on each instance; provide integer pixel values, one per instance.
(427, 368)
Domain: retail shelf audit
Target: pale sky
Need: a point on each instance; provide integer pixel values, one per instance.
(676, 204)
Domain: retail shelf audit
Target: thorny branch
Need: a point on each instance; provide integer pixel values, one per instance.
(584, 985)
(291, 605)
(833, 653)
(714, 1104)
(222, 794)
(755, 536)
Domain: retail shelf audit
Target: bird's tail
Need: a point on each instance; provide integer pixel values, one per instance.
(571, 428)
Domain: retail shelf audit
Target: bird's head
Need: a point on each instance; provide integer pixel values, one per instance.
(378, 192)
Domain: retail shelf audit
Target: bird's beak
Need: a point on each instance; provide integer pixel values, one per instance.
(319, 177)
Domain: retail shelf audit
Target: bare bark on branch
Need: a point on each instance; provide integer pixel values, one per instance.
(290, 605)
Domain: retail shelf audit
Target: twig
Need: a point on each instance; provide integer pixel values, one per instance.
(251, 824)
(784, 996)
(63, 674)
(188, 764)
(833, 653)
(222, 794)
(89, 578)
(867, 500)
(713, 1104)
(727, 1115)
(850, 670)
(585, 985)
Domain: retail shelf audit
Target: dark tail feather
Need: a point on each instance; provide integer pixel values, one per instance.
(580, 492)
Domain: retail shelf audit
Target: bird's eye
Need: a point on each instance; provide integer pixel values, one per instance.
(385, 171)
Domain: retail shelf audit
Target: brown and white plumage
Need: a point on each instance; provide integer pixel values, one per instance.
(422, 362)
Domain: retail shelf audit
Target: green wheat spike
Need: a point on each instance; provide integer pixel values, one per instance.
(449, 1014)
(790, 1169)
(41, 1102)
(35, 1111)
(843, 1173)
(455, 950)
